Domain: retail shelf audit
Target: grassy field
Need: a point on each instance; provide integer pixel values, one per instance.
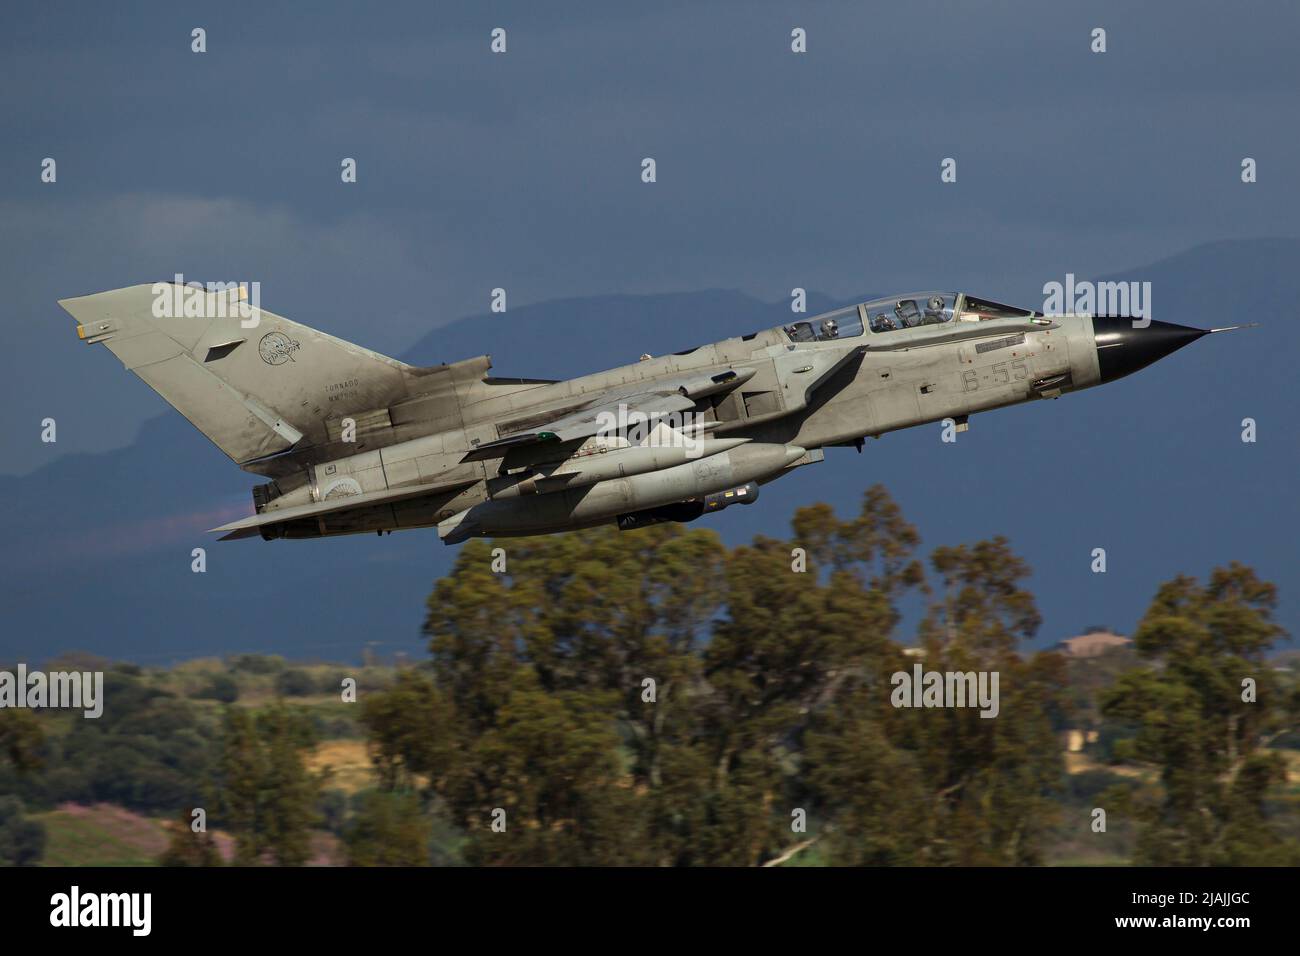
(348, 763)
(108, 835)
(105, 834)
(101, 835)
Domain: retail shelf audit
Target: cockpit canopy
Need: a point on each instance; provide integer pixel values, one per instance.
(900, 312)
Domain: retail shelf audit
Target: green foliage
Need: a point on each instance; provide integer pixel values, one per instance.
(332, 811)
(22, 840)
(388, 829)
(412, 731)
(219, 687)
(189, 848)
(656, 698)
(1196, 725)
(262, 790)
(294, 683)
(770, 695)
(257, 663)
(21, 739)
(149, 751)
(983, 606)
(551, 763)
(873, 791)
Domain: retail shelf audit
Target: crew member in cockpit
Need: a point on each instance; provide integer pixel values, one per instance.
(934, 311)
(882, 323)
(909, 316)
(800, 332)
(830, 329)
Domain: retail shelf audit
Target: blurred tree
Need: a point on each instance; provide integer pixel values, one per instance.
(150, 751)
(22, 840)
(241, 767)
(293, 682)
(257, 663)
(989, 780)
(658, 698)
(262, 789)
(290, 791)
(474, 631)
(869, 792)
(388, 829)
(21, 738)
(189, 848)
(413, 732)
(332, 810)
(983, 607)
(1201, 727)
(219, 687)
(551, 763)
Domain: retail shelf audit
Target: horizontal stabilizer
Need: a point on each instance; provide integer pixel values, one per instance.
(247, 527)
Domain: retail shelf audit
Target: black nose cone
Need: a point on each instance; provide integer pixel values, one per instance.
(1122, 349)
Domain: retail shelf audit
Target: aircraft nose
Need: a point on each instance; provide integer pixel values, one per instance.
(1123, 349)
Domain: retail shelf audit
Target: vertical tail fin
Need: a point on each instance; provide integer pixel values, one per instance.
(253, 382)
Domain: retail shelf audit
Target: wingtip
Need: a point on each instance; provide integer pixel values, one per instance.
(243, 524)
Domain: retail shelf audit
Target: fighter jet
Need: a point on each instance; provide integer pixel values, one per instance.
(353, 441)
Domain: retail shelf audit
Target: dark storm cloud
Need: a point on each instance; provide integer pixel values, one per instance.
(521, 170)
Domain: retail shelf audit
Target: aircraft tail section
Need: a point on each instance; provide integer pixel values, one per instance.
(255, 383)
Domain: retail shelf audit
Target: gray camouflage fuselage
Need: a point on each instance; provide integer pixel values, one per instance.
(357, 442)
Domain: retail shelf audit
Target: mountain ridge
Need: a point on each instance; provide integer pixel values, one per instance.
(122, 524)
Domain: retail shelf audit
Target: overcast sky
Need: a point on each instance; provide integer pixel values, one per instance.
(522, 170)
